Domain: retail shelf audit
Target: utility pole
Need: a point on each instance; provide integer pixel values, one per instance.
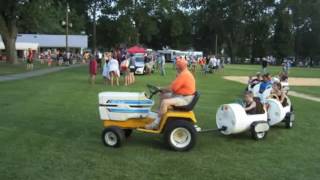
(216, 46)
(65, 23)
(67, 27)
(94, 41)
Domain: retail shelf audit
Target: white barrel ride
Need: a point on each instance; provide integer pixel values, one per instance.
(277, 113)
(232, 119)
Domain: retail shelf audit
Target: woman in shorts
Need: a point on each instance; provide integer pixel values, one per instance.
(125, 70)
(132, 69)
(93, 68)
(30, 60)
(114, 72)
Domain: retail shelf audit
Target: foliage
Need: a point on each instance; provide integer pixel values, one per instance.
(242, 28)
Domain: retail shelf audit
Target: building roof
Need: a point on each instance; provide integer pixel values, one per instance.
(54, 41)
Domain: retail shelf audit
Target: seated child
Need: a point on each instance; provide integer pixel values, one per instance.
(278, 94)
(252, 106)
(249, 103)
(254, 81)
(266, 83)
(283, 77)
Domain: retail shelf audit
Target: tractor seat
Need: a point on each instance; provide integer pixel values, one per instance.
(190, 106)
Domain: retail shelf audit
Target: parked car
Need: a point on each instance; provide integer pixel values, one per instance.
(140, 64)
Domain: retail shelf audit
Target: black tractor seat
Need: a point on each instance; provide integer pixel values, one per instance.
(191, 105)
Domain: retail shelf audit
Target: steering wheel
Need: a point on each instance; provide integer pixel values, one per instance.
(153, 90)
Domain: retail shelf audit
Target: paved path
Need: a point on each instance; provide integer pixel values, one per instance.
(35, 73)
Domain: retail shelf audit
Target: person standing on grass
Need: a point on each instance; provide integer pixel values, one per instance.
(162, 65)
(193, 62)
(42, 56)
(206, 67)
(125, 70)
(68, 58)
(30, 60)
(60, 58)
(264, 64)
(99, 59)
(218, 63)
(114, 72)
(49, 58)
(132, 68)
(202, 63)
(214, 63)
(157, 62)
(222, 64)
(93, 68)
(105, 69)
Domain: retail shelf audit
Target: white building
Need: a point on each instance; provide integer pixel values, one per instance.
(40, 42)
(52, 41)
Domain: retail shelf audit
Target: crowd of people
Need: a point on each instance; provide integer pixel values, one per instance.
(52, 57)
(207, 64)
(112, 65)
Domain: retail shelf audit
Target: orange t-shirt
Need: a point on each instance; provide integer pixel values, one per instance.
(184, 84)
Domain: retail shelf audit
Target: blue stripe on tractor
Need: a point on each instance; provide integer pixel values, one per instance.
(135, 102)
(117, 110)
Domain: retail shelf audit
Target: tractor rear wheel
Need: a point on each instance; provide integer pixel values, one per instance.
(180, 135)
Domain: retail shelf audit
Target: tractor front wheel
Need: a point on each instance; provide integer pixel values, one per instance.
(113, 136)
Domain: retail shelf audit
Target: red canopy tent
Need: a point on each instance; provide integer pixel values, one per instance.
(136, 49)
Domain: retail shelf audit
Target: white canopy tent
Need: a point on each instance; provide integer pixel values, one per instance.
(22, 46)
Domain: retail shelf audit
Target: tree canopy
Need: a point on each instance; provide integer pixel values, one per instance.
(242, 28)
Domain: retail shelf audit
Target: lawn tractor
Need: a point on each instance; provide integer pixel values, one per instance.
(123, 112)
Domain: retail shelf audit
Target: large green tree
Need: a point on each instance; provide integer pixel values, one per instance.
(33, 16)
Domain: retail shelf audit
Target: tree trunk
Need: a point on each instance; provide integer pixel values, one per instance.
(231, 49)
(9, 42)
(9, 30)
(94, 40)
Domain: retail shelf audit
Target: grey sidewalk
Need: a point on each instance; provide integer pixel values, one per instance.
(36, 73)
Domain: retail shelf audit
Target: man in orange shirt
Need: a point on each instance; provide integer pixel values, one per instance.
(179, 93)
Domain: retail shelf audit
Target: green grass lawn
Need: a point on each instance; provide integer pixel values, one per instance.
(50, 129)
(315, 91)
(6, 68)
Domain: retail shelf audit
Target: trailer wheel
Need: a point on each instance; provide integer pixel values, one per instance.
(180, 135)
(289, 121)
(258, 135)
(127, 132)
(113, 136)
(289, 124)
